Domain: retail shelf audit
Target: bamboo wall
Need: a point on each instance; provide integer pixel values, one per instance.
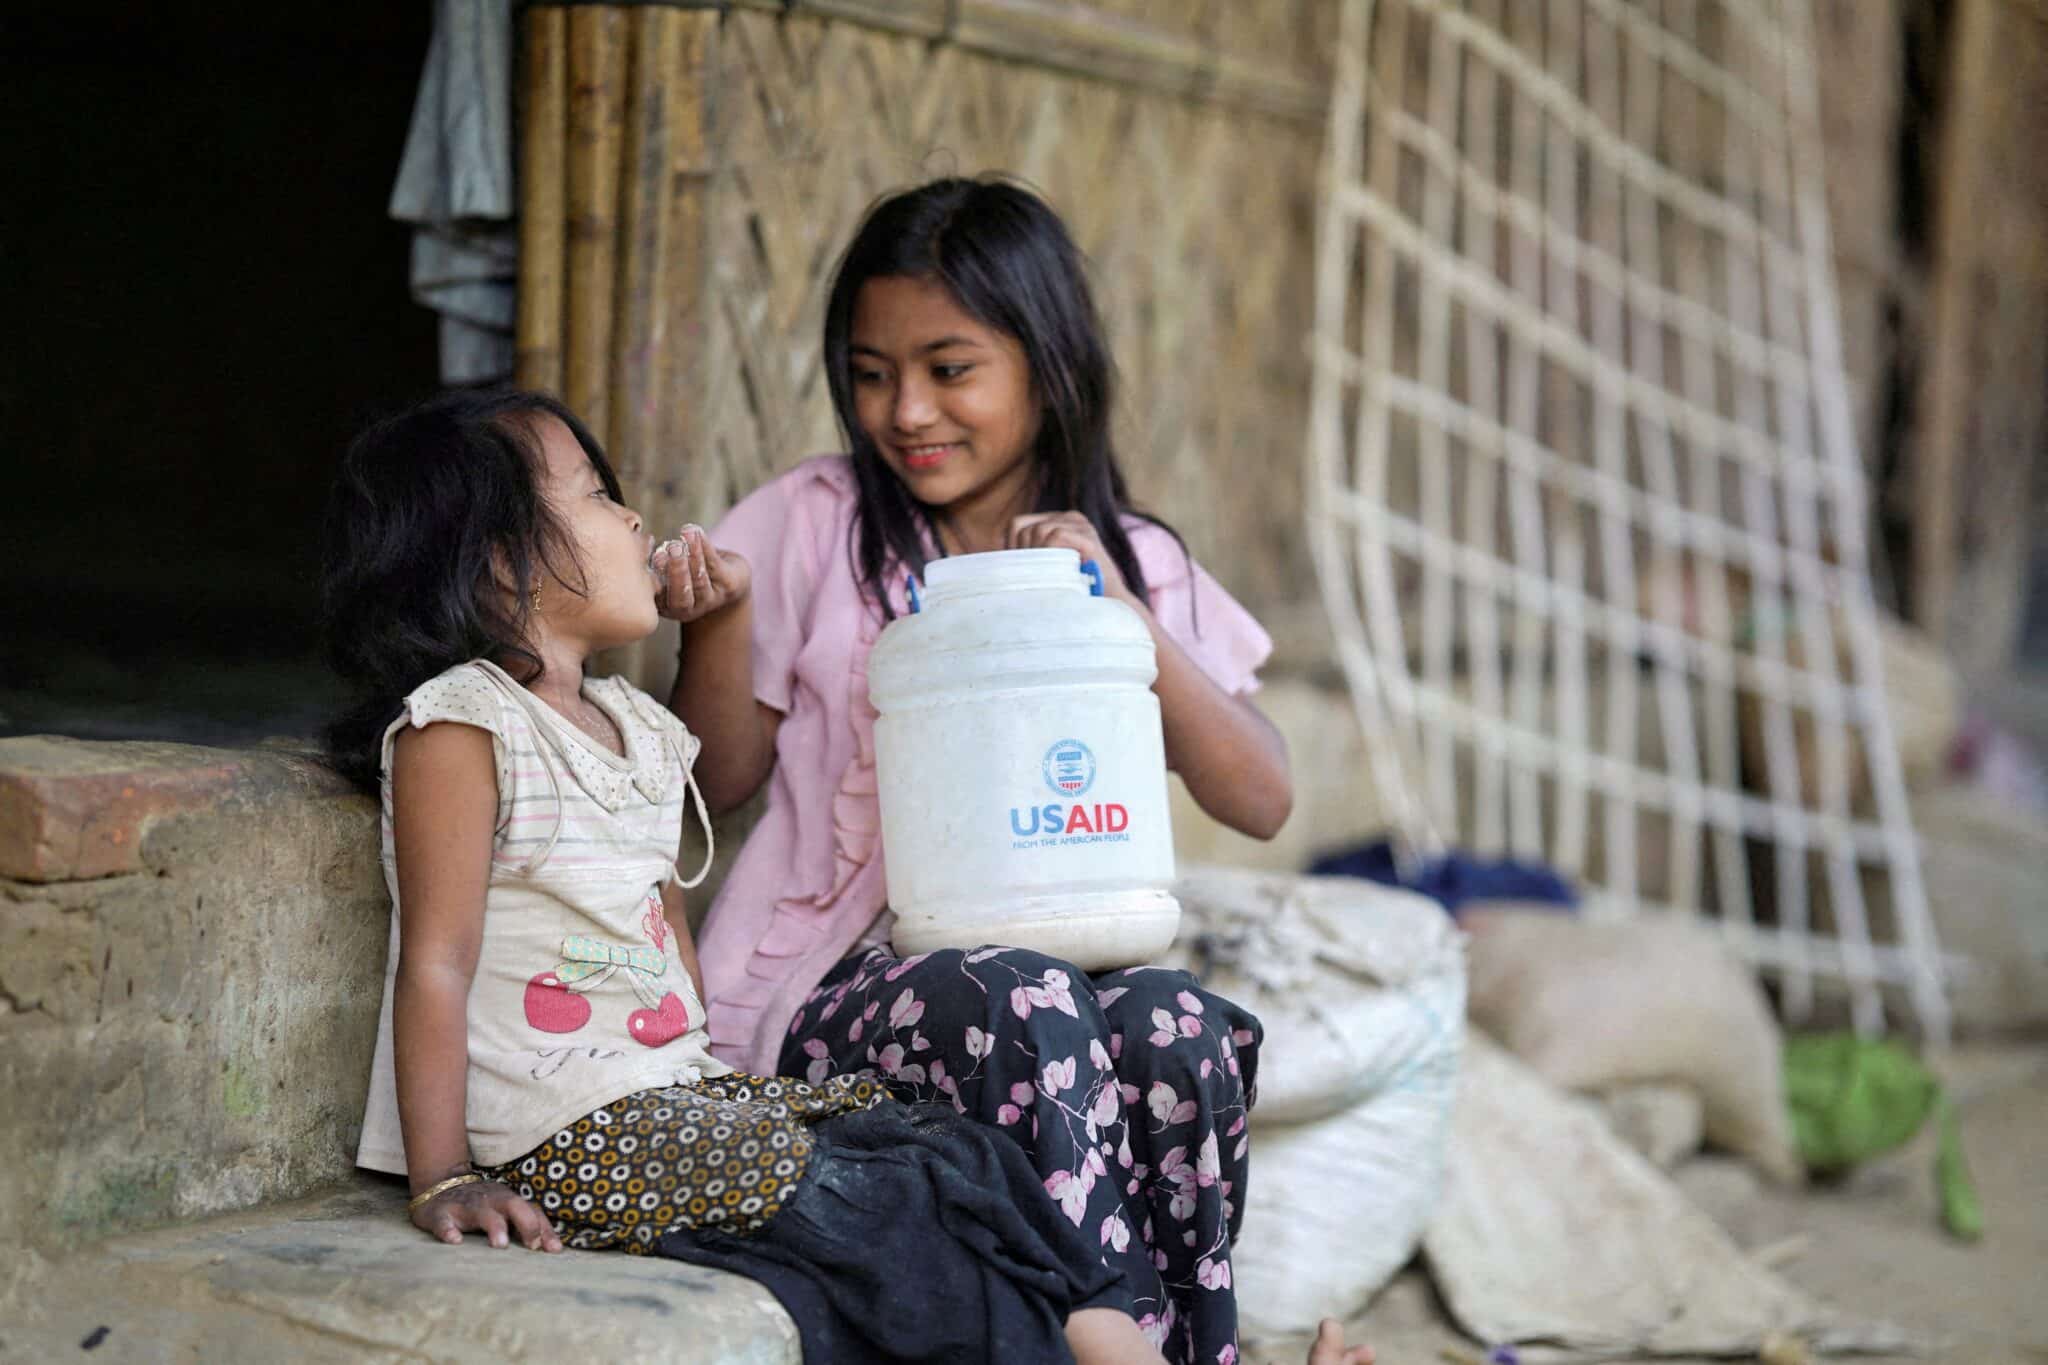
(692, 174)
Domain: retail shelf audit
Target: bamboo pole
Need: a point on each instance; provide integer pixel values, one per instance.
(1947, 387)
(640, 329)
(597, 116)
(692, 486)
(543, 132)
(661, 287)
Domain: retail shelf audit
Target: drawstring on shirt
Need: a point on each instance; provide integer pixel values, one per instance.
(679, 747)
(679, 750)
(703, 821)
(693, 794)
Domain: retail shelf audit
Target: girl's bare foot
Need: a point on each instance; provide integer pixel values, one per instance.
(1108, 1336)
(1330, 1349)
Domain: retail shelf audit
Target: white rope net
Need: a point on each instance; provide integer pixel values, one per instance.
(1583, 491)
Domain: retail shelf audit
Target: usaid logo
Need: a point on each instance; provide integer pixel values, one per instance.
(1069, 767)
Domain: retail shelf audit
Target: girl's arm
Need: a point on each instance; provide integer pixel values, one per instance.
(710, 592)
(676, 912)
(1231, 757)
(443, 809)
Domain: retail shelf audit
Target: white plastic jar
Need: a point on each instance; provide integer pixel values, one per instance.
(1021, 765)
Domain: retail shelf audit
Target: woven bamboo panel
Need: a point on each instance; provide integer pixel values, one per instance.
(1294, 36)
(1585, 499)
(1196, 218)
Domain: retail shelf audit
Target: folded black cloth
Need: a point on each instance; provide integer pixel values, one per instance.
(918, 1235)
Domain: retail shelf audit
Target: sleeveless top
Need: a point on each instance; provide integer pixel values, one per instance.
(579, 996)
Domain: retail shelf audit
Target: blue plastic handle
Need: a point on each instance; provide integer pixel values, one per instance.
(1094, 572)
(914, 593)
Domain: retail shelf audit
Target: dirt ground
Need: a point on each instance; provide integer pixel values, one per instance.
(1870, 1245)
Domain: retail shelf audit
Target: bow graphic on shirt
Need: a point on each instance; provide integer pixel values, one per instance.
(587, 962)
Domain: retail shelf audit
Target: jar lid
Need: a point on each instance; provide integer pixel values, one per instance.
(1053, 570)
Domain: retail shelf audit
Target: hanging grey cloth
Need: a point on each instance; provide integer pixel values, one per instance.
(455, 188)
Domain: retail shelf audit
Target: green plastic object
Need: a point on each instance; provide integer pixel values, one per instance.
(1961, 1214)
(1856, 1098)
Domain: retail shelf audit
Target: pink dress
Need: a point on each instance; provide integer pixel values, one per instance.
(809, 884)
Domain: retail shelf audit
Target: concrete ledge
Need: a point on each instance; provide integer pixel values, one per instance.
(72, 810)
(191, 962)
(345, 1278)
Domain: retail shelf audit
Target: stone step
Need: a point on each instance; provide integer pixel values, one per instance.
(344, 1277)
(191, 961)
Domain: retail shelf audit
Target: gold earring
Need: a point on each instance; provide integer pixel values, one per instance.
(536, 597)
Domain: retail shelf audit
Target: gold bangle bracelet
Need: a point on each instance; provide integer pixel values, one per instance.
(466, 1178)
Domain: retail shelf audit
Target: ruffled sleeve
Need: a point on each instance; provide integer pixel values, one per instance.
(462, 696)
(1224, 640)
(773, 527)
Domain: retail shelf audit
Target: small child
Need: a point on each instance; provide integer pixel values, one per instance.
(542, 1070)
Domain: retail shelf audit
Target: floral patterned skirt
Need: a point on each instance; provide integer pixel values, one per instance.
(1129, 1091)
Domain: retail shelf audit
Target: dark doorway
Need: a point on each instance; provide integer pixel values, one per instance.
(204, 297)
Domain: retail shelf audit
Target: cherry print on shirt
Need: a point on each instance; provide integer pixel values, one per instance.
(555, 1000)
(656, 1027)
(552, 1007)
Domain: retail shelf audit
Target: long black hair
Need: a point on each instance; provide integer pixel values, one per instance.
(1009, 262)
(438, 530)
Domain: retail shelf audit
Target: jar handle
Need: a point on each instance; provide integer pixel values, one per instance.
(1094, 572)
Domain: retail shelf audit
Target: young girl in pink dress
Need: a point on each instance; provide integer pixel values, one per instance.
(967, 365)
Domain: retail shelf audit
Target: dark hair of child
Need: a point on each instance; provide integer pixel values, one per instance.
(438, 532)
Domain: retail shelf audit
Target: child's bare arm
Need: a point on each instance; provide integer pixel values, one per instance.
(1232, 758)
(444, 806)
(676, 912)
